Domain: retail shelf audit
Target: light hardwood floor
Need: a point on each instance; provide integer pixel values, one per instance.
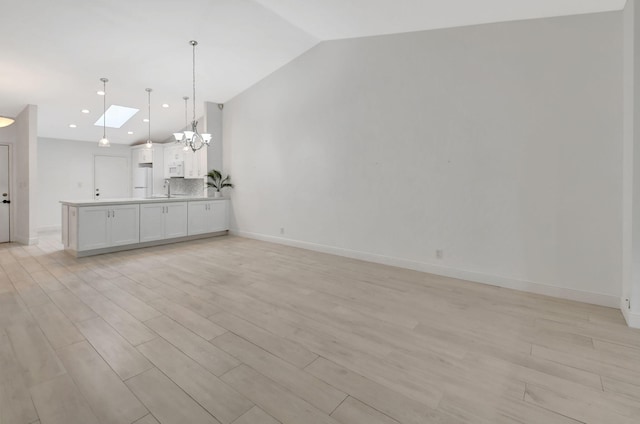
(231, 330)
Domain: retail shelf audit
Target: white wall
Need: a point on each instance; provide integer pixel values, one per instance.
(26, 187)
(65, 172)
(631, 165)
(500, 144)
(213, 126)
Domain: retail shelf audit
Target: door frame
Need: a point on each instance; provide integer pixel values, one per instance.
(127, 158)
(12, 191)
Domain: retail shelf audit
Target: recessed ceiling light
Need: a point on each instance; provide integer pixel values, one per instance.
(130, 132)
(117, 116)
(165, 105)
(101, 93)
(145, 120)
(85, 110)
(72, 125)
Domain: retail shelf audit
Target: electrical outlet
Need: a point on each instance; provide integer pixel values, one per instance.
(281, 230)
(439, 254)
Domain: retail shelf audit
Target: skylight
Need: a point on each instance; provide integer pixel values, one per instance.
(117, 116)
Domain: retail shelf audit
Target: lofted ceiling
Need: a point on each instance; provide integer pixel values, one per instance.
(54, 52)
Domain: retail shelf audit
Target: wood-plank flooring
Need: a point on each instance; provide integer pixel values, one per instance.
(236, 331)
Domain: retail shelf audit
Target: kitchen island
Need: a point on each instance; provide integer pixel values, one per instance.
(110, 225)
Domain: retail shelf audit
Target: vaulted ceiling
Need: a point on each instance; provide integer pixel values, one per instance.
(54, 52)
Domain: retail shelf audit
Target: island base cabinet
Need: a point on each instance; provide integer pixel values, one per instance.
(91, 228)
(175, 220)
(151, 222)
(159, 221)
(102, 227)
(125, 225)
(208, 217)
(94, 222)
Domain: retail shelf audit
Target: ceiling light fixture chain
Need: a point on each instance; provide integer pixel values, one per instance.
(148, 90)
(192, 139)
(104, 141)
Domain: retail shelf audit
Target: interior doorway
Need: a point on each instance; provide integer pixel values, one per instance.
(5, 198)
(111, 177)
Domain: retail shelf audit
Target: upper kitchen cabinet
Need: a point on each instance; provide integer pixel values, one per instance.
(195, 163)
(145, 155)
(173, 161)
(142, 155)
(174, 153)
(185, 163)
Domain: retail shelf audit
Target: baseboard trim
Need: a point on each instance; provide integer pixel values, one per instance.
(50, 229)
(493, 280)
(28, 241)
(632, 318)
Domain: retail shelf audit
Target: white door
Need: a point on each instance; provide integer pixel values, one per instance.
(4, 194)
(111, 177)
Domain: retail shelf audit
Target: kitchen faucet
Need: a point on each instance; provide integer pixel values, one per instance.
(167, 184)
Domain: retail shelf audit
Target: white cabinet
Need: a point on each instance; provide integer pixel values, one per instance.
(141, 155)
(172, 154)
(160, 221)
(90, 228)
(145, 155)
(175, 220)
(208, 216)
(107, 226)
(195, 163)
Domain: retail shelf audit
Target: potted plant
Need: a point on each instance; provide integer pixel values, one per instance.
(216, 181)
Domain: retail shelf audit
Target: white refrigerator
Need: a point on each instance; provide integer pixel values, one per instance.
(142, 182)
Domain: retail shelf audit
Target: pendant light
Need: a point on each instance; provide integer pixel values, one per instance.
(192, 139)
(5, 121)
(149, 142)
(104, 142)
(180, 135)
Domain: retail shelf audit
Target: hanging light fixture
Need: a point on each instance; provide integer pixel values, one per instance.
(5, 122)
(179, 136)
(149, 142)
(192, 139)
(104, 142)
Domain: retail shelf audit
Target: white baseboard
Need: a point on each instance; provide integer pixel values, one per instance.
(25, 240)
(632, 318)
(493, 280)
(50, 229)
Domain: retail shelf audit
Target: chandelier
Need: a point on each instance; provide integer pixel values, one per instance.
(193, 139)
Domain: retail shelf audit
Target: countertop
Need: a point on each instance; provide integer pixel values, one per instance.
(132, 200)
